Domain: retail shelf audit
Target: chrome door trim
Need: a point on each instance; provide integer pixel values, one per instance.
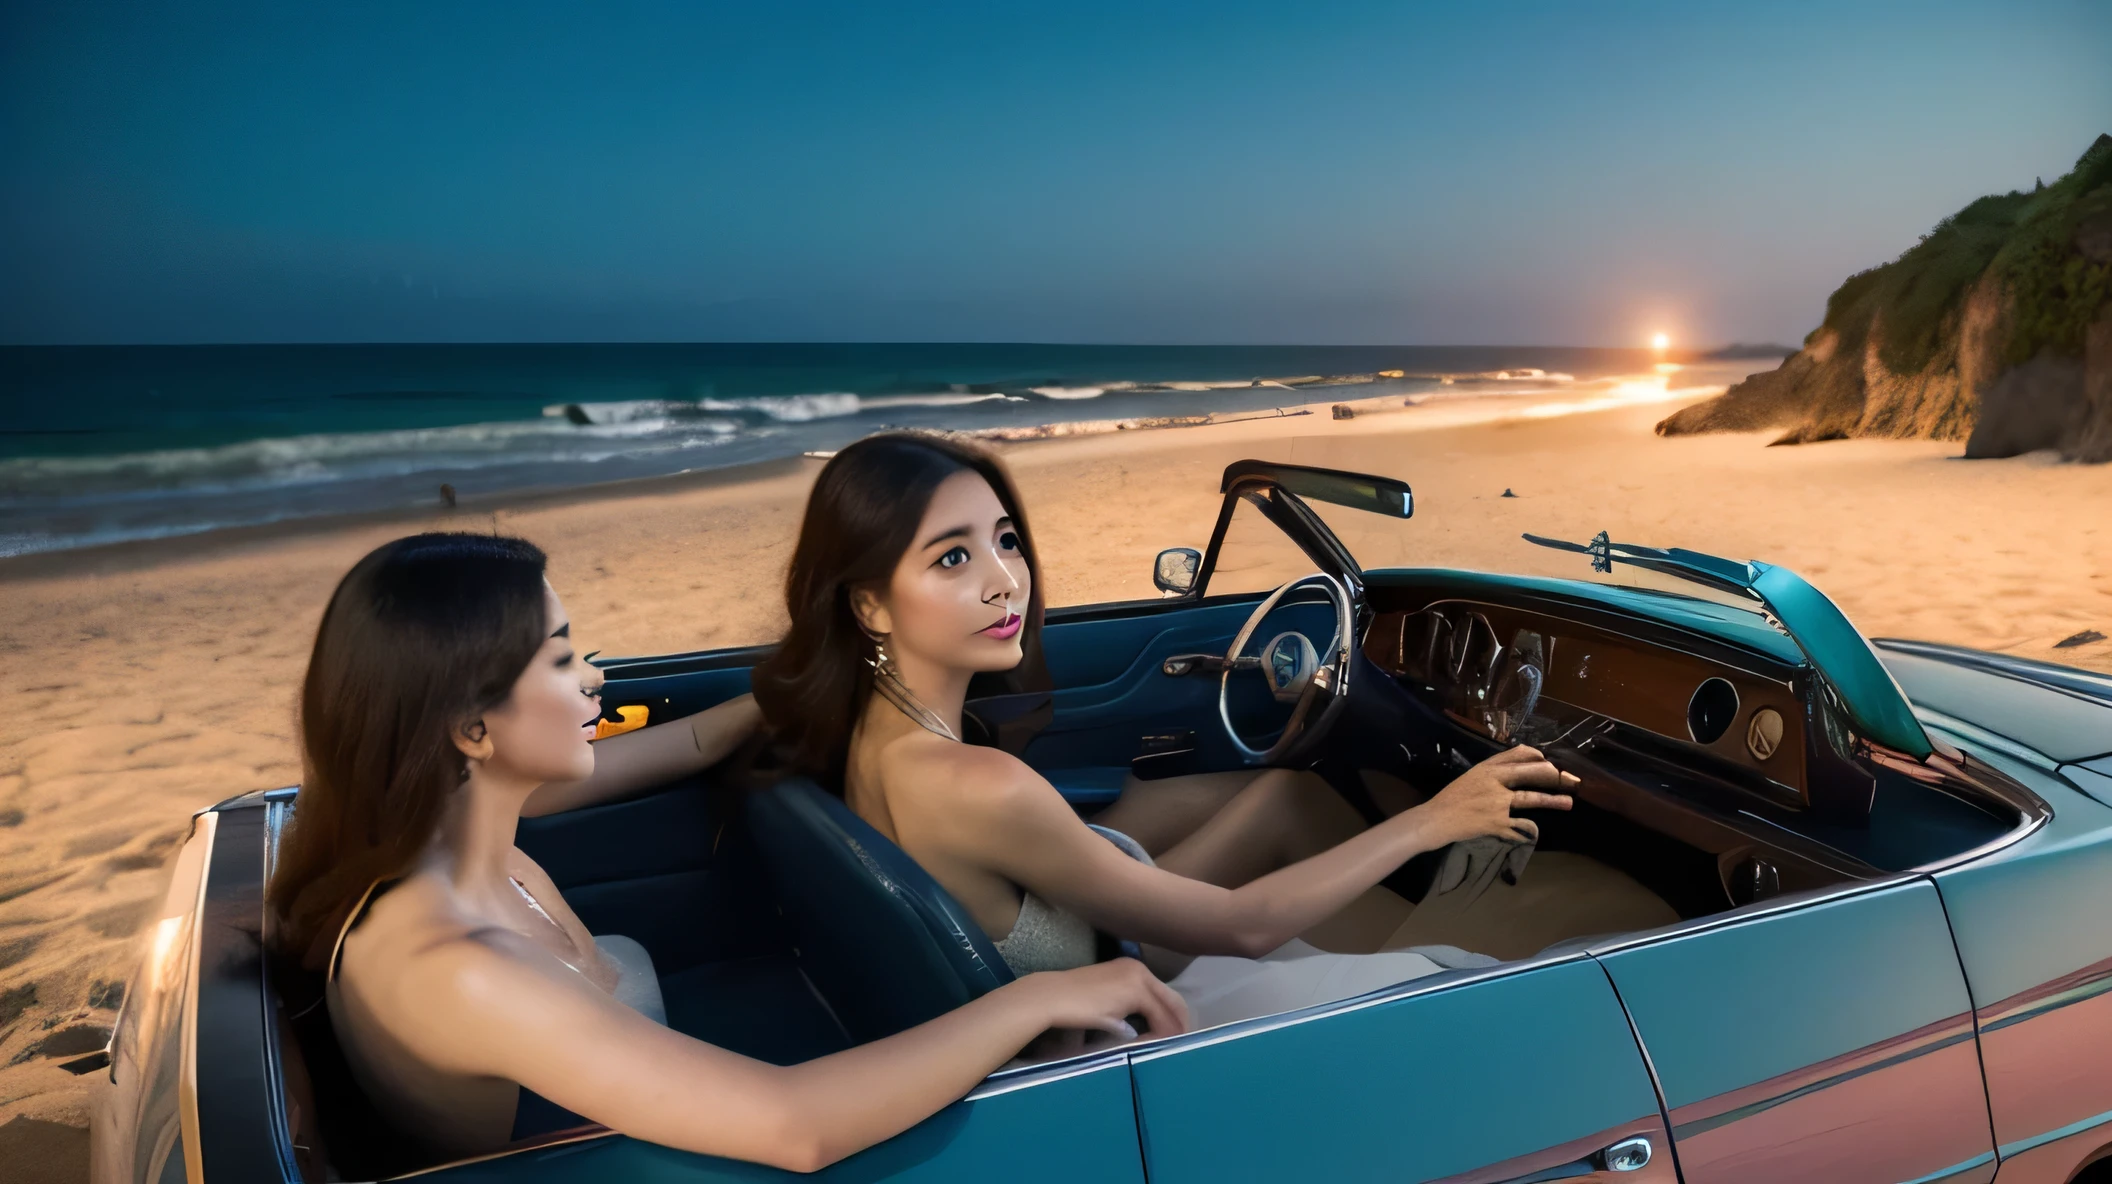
(205, 828)
(1006, 1081)
(1430, 984)
(283, 1134)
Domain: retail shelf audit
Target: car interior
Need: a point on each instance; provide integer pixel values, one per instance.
(1718, 772)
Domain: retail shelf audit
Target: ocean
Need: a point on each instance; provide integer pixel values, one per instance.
(102, 444)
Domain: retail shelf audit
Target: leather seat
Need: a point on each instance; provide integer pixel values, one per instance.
(886, 946)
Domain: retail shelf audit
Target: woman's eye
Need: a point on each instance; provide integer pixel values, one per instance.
(1008, 541)
(954, 557)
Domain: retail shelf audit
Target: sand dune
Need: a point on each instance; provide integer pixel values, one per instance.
(141, 684)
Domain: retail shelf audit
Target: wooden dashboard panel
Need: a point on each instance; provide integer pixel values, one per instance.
(1638, 683)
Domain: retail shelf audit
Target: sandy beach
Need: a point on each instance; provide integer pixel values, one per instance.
(139, 684)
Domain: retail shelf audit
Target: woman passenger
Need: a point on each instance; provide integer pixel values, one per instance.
(442, 698)
(915, 571)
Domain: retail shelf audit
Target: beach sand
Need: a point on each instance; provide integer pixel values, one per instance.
(139, 684)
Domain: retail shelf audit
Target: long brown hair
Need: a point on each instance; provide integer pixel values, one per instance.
(423, 635)
(861, 517)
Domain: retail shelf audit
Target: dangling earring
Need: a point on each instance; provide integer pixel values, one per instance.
(888, 681)
(882, 662)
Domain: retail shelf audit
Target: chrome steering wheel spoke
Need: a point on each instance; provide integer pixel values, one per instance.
(1315, 681)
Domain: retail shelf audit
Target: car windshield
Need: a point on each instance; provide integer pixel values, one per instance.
(1474, 528)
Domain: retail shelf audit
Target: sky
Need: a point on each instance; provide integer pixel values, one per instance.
(1316, 173)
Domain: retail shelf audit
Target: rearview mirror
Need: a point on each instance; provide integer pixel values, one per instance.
(1174, 572)
(1358, 491)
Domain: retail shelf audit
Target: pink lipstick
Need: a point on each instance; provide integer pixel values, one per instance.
(1004, 629)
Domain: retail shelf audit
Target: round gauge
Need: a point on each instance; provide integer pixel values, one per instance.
(1711, 710)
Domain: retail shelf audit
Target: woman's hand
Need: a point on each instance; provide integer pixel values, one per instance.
(1103, 996)
(1479, 802)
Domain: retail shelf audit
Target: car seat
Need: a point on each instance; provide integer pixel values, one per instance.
(886, 946)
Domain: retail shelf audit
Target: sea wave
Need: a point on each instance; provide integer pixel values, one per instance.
(791, 408)
(937, 399)
(807, 408)
(338, 456)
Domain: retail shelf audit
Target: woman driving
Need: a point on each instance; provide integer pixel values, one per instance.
(915, 571)
(443, 700)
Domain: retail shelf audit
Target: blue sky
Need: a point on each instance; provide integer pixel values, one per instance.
(1568, 173)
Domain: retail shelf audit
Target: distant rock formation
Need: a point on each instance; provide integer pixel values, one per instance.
(1995, 329)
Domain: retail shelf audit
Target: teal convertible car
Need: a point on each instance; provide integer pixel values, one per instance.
(1887, 867)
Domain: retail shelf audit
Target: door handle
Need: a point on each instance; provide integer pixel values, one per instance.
(1180, 664)
(1628, 1155)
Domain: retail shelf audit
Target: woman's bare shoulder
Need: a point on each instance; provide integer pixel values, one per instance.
(469, 996)
(418, 944)
(960, 780)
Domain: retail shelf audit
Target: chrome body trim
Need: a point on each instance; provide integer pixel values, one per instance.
(1427, 985)
(187, 1082)
(1006, 1081)
(560, 1139)
(282, 1131)
(2011, 1150)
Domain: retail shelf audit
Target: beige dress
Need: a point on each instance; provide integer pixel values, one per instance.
(1220, 990)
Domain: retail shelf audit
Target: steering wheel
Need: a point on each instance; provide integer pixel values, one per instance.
(1317, 682)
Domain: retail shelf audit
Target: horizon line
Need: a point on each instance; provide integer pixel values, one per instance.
(1644, 348)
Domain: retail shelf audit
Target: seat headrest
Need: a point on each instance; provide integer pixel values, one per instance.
(886, 946)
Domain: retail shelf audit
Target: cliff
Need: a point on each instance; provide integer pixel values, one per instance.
(1994, 329)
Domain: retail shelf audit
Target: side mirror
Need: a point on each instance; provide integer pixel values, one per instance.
(1174, 572)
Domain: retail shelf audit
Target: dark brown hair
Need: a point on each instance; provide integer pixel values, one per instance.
(422, 636)
(860, 519)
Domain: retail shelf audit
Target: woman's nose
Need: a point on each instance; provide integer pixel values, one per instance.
(1006, 584)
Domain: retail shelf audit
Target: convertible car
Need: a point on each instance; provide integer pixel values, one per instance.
(1886, 866)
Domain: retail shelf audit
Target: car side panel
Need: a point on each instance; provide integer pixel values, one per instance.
(1077, 1126)
(2034, 932)
(1487, 1080)
(1833, 1041)
(136, 1127)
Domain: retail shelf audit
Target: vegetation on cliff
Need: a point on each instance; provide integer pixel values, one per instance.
(1995, 328)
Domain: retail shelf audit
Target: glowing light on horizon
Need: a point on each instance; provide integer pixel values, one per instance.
(1659, 341)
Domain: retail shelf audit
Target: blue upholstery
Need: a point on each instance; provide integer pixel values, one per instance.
(884, 944)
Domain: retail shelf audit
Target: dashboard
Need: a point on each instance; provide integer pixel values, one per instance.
(1518, 676)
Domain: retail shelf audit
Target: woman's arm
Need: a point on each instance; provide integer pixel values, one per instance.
(482, 1006)
(635, 761)
(1028, 834)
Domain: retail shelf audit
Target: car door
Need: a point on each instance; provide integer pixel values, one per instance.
(1832, 1040)
(1520, 1073)
(2035, 935)
(1056, 1125)
(1117, 699)
(1116, 702)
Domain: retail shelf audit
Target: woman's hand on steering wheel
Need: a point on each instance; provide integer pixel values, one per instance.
(1479, 801)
